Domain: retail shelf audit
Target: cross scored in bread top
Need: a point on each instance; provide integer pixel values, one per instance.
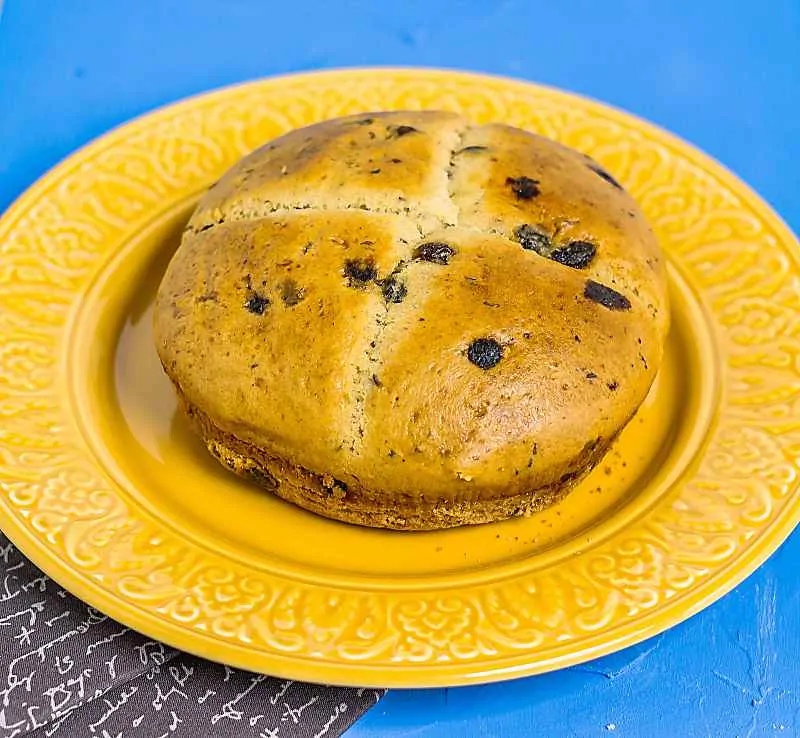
(405, 270)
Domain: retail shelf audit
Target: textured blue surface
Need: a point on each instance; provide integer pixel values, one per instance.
(724, 75)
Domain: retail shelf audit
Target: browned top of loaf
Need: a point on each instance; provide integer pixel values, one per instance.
(329, 298)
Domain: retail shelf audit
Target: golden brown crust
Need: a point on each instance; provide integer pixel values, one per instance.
(332, 498)
(386, 162)
(330, 309)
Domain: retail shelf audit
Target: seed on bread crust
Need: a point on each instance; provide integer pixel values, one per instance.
(605, 296)
(603, 174)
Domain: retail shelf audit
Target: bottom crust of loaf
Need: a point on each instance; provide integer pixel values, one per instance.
(324, 495)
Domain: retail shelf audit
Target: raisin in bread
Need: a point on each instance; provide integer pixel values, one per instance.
(406, 321)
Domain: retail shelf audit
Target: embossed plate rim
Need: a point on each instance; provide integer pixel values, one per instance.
(421, 670)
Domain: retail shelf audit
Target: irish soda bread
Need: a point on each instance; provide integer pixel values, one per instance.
(406, 321)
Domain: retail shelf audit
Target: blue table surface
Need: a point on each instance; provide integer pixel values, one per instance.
(724, 75)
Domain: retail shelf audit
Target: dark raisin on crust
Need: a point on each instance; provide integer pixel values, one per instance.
(605, 296)
(533, 239)
(394, 291)
(364, 121)
(613, 385)
(360, 271)
(523, 187)
(436, 252)
(603, 174)
(398, 131)
(576, 254)
(485, 352)
(257, 304)
(291, 294)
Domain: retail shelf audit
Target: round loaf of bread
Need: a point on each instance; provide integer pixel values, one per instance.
(406, 321)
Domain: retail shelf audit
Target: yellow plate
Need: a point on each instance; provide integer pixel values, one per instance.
(106, 490)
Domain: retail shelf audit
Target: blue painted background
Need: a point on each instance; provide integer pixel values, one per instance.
(724, 75)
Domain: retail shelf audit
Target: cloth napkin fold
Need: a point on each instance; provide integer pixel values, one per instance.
(67, 670)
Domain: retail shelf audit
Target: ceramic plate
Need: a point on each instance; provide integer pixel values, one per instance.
(105, 489)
